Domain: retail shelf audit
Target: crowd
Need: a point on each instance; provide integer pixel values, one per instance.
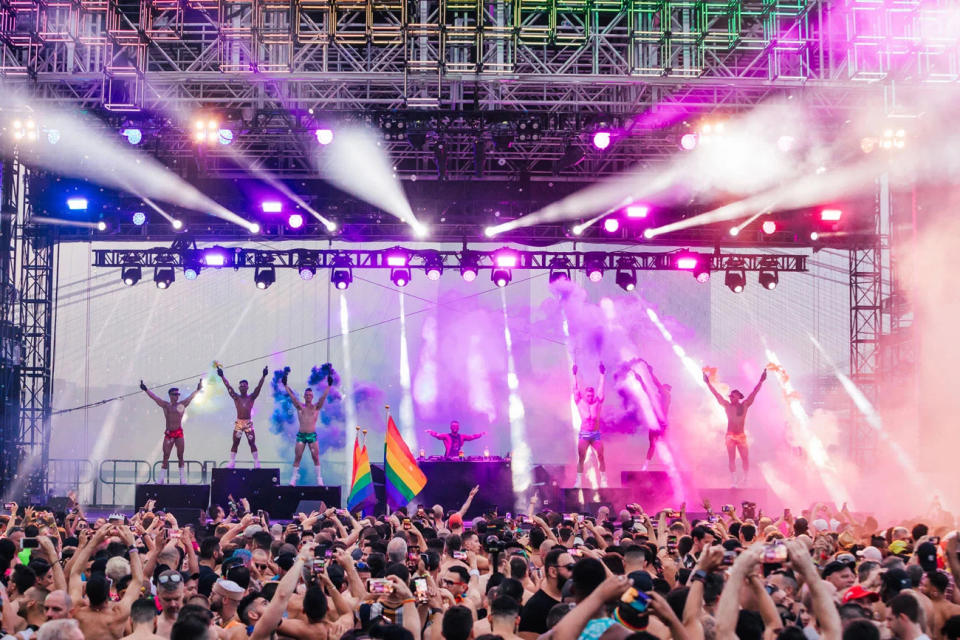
(427, 574)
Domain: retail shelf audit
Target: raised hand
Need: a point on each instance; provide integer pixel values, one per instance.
(603, 369)
(706, 378)
(286, 372)
(200, 384)
(143, 387)
(763, 376)
(219, 372)
(266, 371)
(574, 369)
(330, 381)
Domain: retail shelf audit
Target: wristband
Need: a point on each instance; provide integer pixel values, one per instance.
(474, 572)
(133, 550)
(409, 601)
(434, 611)
(698, 576)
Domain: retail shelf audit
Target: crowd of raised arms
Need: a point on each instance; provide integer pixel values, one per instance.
(427, 574)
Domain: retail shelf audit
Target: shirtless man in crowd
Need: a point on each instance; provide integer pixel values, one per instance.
(173, 417)
(244, 423)
(307, 413)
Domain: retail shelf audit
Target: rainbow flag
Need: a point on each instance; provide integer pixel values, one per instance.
(361, 487)
(403, 476)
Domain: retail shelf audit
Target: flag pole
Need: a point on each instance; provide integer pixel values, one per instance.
(386, 408)
(364, 443)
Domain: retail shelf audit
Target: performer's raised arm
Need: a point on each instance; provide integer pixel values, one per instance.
(576, 386)
(290, 392)
(603, 377)
(653, 376)
(756, 389)
(256, 392)
(152, 395)
(326, 392)
(194, 394)
(226, 383)
(474, 436)
(716, 395)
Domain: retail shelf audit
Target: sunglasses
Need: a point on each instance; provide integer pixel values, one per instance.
(263, 567)
(172, 578)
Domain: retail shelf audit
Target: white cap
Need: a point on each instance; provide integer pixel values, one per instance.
(871, 553)
(252, 529)
(820, 524)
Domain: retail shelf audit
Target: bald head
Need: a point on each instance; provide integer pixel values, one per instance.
(57, 605)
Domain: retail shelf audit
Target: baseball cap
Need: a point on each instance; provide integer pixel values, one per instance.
(456, 520)
(927, 556)
(871, 553)
(252, 529)
(896, 580)
(820, 524)
(641, 580)
(834, 567)
(857, 592)
(898, 546)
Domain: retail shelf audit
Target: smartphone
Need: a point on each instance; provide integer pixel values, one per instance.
(319, 564)
(671, 542)
(420, 589)
(713, 519)
(729, 557)
(406, 523)
(774, 553)
(320, 551)
(576, 552)
(29, 543)
(673, 514)
(342, 512)
(175, 533)
(116, 518)
(934, 539)
(8, 506)
(638, 600)
(508, 516)
(727, 508)
(379, 586)
(459, 555)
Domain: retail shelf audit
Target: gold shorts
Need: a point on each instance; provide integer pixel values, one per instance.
(243, 426)
(737, 439)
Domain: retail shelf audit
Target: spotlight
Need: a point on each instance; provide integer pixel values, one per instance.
(400, 277)
(77, 203)
(769, 226)
(611, 225)
(593, 264)
(324, 136)
(490, 231)
(342, 276)
(686, 261)
(191, 269)
(295, 221)
(24, 131)
(330, 225)
(736, 280)
(101, 226)
(559, 269)
(786, 143)
(207, 131)
(626, 274)
(177, 224)
(133, 136)
(396, 257)
(506, 258)
(734, 231)
(769, 279)
(139, 218)
(163, 277)
(420, 230)
(254, 227)
(263, 277)
(225, 136)
(271, 206)
(53, 136)
(814, 236)
(215, 257)
(501, 277)
(469, 266)
(577, 229)
(637, 211)
(601, 139)
(688, 141)
(307, 271)
(830, 215)
(433, 265)
(131, 275)
(702, 273)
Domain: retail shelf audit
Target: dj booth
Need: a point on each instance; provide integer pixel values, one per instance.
(449, 482)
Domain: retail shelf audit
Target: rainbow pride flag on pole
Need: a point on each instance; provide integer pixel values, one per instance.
(404, 478)
(361, 487)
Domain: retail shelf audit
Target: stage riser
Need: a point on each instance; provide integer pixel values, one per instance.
(252, 484)
(174, 496)
(652, 490)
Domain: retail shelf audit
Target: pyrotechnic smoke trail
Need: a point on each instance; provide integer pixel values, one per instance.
(406, 399)
(873, 418)
(809, 441)
(349, 401)
(574, 412)
(425, 384)
(520, 450)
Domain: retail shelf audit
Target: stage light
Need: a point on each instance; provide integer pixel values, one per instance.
(637, 211)
(626, 274)
(559, 269)
(53, 136)
(163, 277)
(139, 218)
(814, 236)
(601, 139)
(734, 231)
(191, 269)
(648, 233)
(769, 279)
(396, 257)
(686, 261)
(271, 206)
(688, 141)
(501, 277)
(433, 265)
(133, 136)
(225, 136)
(342, 275)
(254, 227)
(24, 130)
(131, 275)
(736, 280)
(307, 271)
(577, 229)
(490, 231)
(263, 277)
(786, 143)
(506, 258)
(77, 203)
(702, 273)
(469, 266)
(295, 221)
(215, 257)
(324, 136)
(593, 264)
(177, 224)
(769, 226)
(420, 230)
(207, 131)
(400, 277)
(830, 215)
(101, 226)
(611, 225)
(306, 265)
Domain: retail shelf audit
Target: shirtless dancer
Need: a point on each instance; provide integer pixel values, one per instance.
(244, 424)
(736, 408)
(660, 399)
(173, 415)
(588, 404)
(307, 436)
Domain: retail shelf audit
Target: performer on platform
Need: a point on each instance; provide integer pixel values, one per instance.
(660, 399)
(173, 418)
(243, 424)
(307, 413)
(736, 408)
(453, 441)
(589, 402)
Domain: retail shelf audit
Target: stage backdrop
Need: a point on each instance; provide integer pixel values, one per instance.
(433, 351)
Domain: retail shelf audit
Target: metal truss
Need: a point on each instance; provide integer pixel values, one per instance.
(239, 258)
(10, 343)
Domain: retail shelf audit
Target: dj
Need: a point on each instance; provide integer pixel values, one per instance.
(454, 440)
